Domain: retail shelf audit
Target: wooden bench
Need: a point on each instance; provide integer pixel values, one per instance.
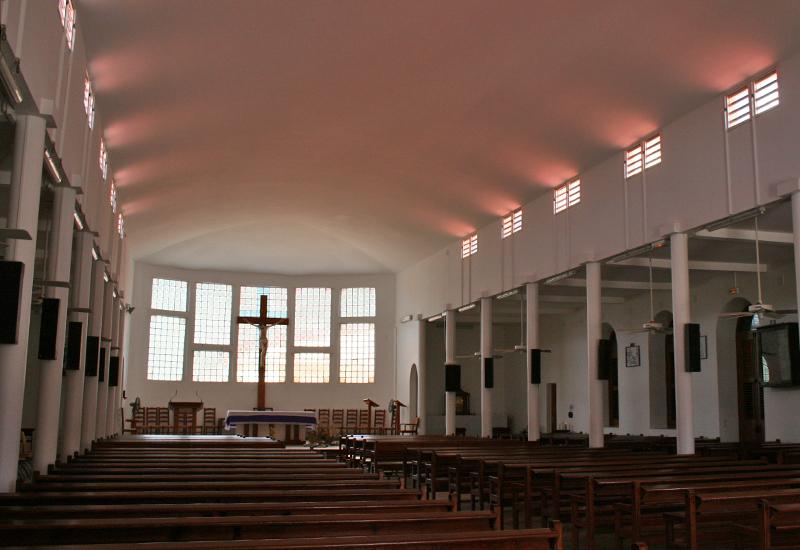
(166, 529)
(529, 539)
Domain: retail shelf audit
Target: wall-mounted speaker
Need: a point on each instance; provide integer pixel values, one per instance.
(452, 378)
(101, 367)
(113, 372)
(48, 328)
(536, 366)
(488, 372)
(92, 354)
(691, 346)
(604, 348)
(72, 359)
(10, 293)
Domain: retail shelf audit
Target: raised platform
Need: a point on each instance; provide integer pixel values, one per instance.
(172, 441)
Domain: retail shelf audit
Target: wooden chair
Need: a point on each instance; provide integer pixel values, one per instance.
(410, 428)
(324, 420)
(136, 423)
(363, 421)
(185, 421)
(337, 421)
(163, 420)
(209, 421)
(151, 420)
(351, 421)
(379, 422)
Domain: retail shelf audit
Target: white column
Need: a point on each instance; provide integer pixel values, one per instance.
(105, 357)
(111, 402)
(486, 352)
(532, 342)
(89, 414)
(59, 259)
(594, 330)
(450, 359)
(422, 377)
(123, 317)
(681, 314)
(23, 213)
(80, 297)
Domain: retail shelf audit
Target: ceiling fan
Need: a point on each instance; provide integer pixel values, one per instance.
(759, 308)
(652, 326)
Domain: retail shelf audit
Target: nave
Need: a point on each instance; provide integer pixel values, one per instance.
(426, 492)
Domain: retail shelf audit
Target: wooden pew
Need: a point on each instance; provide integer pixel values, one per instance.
(529, 539)
(200, 509)
(642, 518)
(779, 526)
(707, 516)
(166, 529)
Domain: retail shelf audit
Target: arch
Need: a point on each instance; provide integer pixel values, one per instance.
(661, 374)
(611, 394)
(413, 392)
(734, 341)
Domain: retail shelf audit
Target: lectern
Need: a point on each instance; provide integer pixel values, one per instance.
(185, 409)
(370, 405)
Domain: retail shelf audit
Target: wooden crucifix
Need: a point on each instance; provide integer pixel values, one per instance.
(263, 322)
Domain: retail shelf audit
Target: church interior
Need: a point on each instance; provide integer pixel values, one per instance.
(399, 275)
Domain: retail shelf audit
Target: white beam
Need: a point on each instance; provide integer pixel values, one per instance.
(578, 299)
(619, 285)
(659, 263)
(778, 237)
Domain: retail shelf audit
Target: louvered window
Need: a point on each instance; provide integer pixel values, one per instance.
(512, 223)
(737, 108)
(103, 159)
(633, 161)
(652, 152)
(765, 93)
(66, 12)
(88, 101)
(469, 246)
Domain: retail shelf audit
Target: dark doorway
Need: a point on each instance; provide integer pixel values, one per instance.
(552, 408)
(613, 383)
(750, 390)
(669, 379)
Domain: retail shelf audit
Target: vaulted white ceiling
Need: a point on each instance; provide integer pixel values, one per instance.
(361, 136)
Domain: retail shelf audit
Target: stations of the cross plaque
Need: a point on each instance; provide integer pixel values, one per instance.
(263, 322)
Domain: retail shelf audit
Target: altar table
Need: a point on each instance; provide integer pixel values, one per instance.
(294, 421)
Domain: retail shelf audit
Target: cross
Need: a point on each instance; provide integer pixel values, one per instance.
(263, 323)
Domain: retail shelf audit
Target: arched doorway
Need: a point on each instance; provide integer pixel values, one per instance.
(741, 395)
(612, 385)
(413, 393)
(750, 392)
(662, 374)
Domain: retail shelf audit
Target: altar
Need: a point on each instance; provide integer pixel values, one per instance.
(294, 422)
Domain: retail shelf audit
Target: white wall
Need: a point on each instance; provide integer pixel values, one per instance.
(236, 395)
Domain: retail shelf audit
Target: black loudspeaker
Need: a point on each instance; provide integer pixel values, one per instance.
(604, 359)
(101, 368)
(72, 359)
(10, 291)
(536, 366)
(488, 369)
(452, 378)
(691, 346)
(92, 354)
(48, 328)
(113, 372)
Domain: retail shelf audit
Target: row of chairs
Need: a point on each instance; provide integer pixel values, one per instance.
(156, 420)
(351, 421)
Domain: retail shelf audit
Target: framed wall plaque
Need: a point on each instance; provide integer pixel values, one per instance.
(633, 356)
